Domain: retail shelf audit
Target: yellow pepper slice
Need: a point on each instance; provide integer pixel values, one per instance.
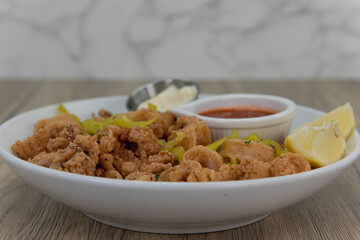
(234, 135)
(161, 142)
(253, 137)
(276, 145)
(180, 136)
(233, 159)
(91, 126)
(124, 117)
(178, 152)
(152, 106)
(128, 124)
(215, 145)
(62, 109)
(169, 146)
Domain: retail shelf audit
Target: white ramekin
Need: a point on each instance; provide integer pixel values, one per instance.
(275, 126)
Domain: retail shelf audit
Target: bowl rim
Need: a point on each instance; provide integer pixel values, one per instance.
(263, 121)
(12, 160)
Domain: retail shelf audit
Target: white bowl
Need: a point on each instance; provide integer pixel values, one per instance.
(275, 126)
(166, 207)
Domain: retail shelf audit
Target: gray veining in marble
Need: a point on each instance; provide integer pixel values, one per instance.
(204, 39)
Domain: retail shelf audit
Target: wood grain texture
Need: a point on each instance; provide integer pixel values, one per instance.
(332, 213)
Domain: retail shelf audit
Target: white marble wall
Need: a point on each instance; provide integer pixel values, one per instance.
(194, 39)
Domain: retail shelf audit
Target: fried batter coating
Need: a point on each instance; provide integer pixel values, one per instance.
(227, 173)
(158, 163)
(204, 175)
(67, 135)
(167, 119)
(100, 172)
(190, 171)
(251, 169)
(106, 161)
(125, 160)
(205, 156)
(250, 149)
(89, 145)
(185, 121)
(197, 132)
(57, 143)
(47, 159)
(124, 155)
(128, 168)
(44, 130)
(162, 124)
(80, 163)
(126, 146)
(113, 174)
(143, 114)
(141, 176)
(155, 167)
(289, 163)
(102, 115)
(162, 157)
(111, 139)
(79, 157)
(146, 142)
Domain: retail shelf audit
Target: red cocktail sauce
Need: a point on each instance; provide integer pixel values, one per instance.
(238, 112)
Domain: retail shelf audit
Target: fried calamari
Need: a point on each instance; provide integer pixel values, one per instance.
(169, 149)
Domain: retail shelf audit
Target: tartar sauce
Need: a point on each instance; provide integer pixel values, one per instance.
(171, 97)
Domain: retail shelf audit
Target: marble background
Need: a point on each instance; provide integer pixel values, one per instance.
(202, 39)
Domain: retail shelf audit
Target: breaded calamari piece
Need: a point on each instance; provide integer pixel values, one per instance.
(125, 160)
(190, 171)
(155, 168)
(162, 124)
(205, 156)
(251, 169)
(141, 176)
(158, 163)
(100, 172)
(47, 159)
(197, 132)
(80, 156)
(113, 174)
(145, 140)
(66, 136)
(80, 163)
(89, 145)
(227, 173)
(289, 163)
(44, 130)
(102, 115)
(162, 157)
(106, 161)
(127, 146)
(129, 167)
(247, 149)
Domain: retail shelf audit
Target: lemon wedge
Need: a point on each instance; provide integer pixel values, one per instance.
(343, 114)
(323, 141)
(321, 146)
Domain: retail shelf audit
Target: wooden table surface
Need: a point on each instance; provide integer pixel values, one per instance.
(332, 213)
